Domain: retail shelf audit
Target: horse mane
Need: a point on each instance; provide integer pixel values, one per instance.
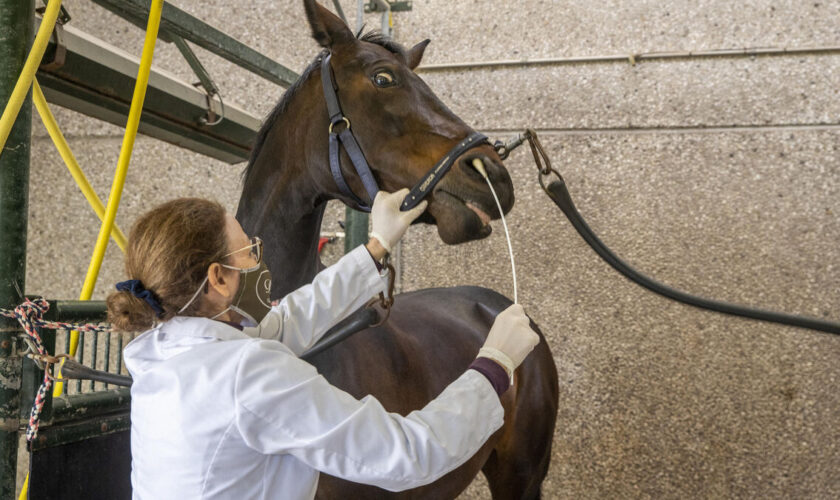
(374, 37)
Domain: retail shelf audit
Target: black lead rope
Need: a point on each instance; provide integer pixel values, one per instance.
(559, 194)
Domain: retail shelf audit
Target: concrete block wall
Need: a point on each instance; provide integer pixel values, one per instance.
(718, 176)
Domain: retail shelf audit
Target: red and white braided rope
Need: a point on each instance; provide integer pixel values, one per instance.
(29, 314)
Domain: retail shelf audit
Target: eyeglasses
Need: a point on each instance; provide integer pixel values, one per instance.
(256, 249)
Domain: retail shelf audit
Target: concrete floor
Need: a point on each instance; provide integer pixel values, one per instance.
(658, 400)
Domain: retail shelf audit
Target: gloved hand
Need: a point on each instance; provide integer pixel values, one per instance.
(387, 221)
(511, 339)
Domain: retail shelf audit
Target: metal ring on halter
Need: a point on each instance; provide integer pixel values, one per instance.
(346, 122)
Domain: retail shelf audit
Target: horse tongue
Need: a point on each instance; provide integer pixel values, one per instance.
(485, 218)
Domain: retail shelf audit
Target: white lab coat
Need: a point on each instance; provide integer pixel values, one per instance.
(216, 413)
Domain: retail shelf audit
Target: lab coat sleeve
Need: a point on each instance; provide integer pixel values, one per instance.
(304, 315)
(283, 406)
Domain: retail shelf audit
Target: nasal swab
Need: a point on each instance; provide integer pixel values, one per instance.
(479, 165)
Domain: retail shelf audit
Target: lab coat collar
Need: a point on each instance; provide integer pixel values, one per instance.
(190, 326)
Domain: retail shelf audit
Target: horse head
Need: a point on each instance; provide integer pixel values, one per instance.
(403, 129)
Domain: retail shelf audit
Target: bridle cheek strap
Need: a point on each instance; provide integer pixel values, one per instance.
(430, 180)
(345, 137)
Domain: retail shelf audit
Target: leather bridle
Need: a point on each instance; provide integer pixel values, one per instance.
(345, 137)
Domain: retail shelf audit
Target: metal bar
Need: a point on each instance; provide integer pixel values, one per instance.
(355, 222)
(633, 58)
(177, 22)
(93, 356)
(80, 353)
(76, 311)
(16, 24)
(76, 405)
(66, 346)
(97, 79)
(355, 229)
(198, 68)
(72, 369)
(119, 352)
(75, 431)
(107, 363)
(340, 12)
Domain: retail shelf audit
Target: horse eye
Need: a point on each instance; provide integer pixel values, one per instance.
(383, 79)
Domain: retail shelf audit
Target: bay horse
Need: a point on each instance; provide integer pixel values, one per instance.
(432, 335)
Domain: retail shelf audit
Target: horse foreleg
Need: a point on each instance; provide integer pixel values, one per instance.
(519, 462)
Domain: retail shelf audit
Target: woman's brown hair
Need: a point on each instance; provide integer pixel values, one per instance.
(169, 250)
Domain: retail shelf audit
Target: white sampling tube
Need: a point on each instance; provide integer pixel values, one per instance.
(479, 166)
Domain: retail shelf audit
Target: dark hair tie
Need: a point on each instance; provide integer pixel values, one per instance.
(136, 288)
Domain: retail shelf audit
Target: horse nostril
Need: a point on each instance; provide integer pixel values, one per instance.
(467, 164)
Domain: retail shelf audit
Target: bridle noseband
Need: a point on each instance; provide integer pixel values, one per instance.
(345, 137)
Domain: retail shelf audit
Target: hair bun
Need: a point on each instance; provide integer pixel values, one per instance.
(128, 313)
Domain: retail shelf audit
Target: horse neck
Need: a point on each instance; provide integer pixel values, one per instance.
(286, 192)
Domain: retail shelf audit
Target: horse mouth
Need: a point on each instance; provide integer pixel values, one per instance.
(459, 220)
(484, 216)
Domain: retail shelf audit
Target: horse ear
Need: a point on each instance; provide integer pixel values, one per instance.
(415, 54)
(327, 28)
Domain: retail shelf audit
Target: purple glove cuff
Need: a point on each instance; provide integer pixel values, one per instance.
(497, 375)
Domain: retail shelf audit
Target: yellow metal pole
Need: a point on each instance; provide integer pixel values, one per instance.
(122, 166)
(67, 155)
(7, 120)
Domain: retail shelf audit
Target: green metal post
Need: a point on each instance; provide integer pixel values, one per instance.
(17, 18)
(355, 229)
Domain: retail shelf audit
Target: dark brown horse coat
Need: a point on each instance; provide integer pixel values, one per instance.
(432, 335)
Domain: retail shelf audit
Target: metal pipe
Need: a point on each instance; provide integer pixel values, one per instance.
(23, 76)
(107, 354)
(633, 58)
(68, 408)
(76, 311)
(93, 356)
(360, 15)
(17, 20)
(356, 222)
(340, 12)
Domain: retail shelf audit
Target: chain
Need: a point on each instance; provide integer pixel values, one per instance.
(386, 300)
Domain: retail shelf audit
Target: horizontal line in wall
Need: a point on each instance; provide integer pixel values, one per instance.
(792, 127)
(500, 132)
(632, 58)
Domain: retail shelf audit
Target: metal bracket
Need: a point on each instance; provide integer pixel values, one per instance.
(63, 15)
(60, 54)
(375, 6)
(205, 82)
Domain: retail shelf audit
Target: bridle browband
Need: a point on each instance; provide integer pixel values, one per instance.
(357, 158)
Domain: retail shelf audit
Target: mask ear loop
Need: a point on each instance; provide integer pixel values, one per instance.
(192, 299)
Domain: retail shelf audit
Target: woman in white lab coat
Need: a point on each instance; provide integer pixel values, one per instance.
(221, 405)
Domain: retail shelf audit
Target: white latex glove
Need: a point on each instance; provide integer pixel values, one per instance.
(511, 339)
(387, 221)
